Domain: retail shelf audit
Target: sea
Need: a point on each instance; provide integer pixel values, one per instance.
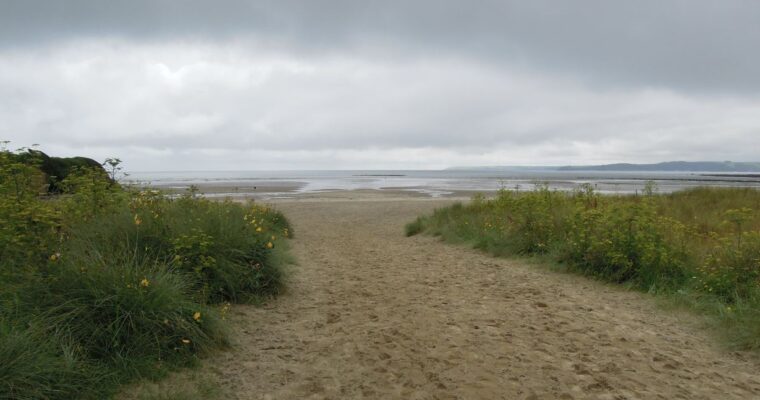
(433, 183)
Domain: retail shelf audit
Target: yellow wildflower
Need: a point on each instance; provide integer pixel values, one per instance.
(269, 245)
(258, 229)
(145, 282)
(55, 257)
(197, 316)
(225, 310)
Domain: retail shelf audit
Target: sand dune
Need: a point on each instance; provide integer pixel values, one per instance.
(372, 314)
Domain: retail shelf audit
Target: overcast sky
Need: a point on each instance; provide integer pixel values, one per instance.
(221, 85)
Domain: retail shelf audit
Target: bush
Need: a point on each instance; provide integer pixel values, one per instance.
(732, 269)
(224, 249)
(29, 227)
(625, 242)
(229, 250)
(103, 285)
(703, 242)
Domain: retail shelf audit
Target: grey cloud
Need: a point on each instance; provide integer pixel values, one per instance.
(696, 46)
(347, 84)
(178, 99)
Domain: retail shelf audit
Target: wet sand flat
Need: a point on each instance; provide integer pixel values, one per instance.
(371, 314)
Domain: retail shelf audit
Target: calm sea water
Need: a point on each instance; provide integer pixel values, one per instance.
(434, 183)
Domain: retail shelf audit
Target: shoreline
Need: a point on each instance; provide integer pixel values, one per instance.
(283, 193)
(370, 187)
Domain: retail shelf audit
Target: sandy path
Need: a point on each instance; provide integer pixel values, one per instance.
(372, 314)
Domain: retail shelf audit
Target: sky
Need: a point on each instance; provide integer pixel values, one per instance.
(392, 84)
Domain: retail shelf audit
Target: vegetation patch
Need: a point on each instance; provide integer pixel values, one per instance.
(701, 246)
(102, 285)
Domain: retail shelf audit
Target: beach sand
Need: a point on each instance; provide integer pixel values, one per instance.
(371, 314)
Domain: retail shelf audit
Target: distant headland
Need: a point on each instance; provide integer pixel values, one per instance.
(668, 166)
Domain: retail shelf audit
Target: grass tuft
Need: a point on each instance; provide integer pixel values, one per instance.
(414, 227)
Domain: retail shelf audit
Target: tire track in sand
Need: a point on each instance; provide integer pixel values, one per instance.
(372, 314)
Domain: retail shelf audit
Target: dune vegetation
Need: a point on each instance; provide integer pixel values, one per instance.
(101, 285)
(700, 247)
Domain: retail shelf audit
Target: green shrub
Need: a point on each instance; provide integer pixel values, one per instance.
(732, 269)
(223, 248)
(703, 242)
(30, 227)
(102, 285)
(90, 192)
(626, 242)
(533, 222)
(229, 249)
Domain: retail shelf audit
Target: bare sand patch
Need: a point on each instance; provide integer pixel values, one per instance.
(372, 314)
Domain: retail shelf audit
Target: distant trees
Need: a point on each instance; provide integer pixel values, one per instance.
(57, 169)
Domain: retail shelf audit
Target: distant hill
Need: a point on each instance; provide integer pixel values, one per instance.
(669, 166)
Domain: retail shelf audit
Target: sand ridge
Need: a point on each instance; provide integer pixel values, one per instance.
(371, 314)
